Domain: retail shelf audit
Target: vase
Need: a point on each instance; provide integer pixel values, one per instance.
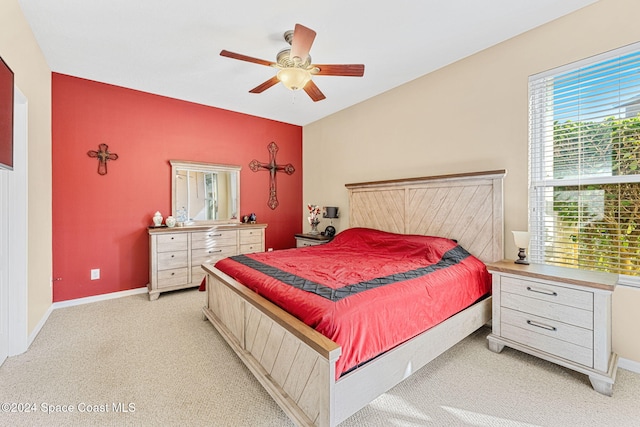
(170, 221)
(157, 219)
(314, 227)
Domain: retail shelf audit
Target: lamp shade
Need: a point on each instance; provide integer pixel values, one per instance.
(521, 238)
(330, 212)
(294, 78)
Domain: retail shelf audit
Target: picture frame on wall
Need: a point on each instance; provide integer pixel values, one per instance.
(6, 115)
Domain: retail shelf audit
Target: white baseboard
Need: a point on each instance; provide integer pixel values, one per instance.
(79, 301)
(629, 365)
(96, 298)
(32, 336)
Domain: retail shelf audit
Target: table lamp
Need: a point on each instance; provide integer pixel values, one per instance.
(330, 212)
(522, 242)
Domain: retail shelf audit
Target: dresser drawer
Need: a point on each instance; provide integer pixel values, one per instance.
(547, 292)
(211, 255)
(559, 312)
(301, 243)
(556, 347)
(214, 238)
(170, 260)
(250, 236)
(551, 328)
(173, 277)
(251, 248)
(172, 242)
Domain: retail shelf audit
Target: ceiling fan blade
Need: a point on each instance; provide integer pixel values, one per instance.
(241, 57)
(302, 40)
(350, 70)
(266, 85)
(314, 93)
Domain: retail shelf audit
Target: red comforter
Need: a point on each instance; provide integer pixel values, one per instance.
(367, 290)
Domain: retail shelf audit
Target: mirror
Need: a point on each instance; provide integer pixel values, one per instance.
(204, 193)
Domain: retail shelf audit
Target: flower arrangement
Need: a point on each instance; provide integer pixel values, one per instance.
(314, 220)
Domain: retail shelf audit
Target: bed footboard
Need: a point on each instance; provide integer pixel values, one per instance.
(294, 363)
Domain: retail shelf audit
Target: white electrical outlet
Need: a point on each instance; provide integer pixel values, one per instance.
(95, 274)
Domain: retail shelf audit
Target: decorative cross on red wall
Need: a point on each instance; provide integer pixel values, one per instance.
(272, 167)
(103, 155)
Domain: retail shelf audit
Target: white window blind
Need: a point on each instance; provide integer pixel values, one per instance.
(585, 164)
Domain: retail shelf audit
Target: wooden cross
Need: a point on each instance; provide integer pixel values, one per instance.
(103, 155)
(272, 167)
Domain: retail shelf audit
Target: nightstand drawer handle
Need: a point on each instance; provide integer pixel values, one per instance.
(545, 292)
(214, 235)
(212, 251)
(541, 325)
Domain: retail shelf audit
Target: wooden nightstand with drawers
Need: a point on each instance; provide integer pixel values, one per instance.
(559, 314)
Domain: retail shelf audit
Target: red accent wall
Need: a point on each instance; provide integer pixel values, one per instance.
(100, 221)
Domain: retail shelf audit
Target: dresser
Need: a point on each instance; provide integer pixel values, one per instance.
(559, 314)
(175, 254)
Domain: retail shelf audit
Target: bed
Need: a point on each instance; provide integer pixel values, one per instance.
(305, 371)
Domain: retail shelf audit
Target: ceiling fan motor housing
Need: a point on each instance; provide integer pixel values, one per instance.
(284, 60)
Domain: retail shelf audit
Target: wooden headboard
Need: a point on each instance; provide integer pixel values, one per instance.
(465, 207)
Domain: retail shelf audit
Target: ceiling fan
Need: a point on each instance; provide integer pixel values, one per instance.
(295, 69)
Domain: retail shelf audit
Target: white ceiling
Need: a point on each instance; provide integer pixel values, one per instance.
(171, 48)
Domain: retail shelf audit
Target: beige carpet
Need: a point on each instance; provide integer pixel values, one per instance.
(164, 365)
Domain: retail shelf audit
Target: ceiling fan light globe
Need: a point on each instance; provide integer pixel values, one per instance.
(294, 78)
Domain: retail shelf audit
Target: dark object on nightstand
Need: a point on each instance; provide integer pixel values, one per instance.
(330, 231)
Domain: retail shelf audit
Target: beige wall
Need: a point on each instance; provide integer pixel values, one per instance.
(469, 116)
(19, 49)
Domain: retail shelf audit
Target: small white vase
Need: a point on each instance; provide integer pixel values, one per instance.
(170, 221)
(314, 227)
(157, 219)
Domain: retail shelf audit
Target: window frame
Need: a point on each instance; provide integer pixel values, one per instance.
(541, 134)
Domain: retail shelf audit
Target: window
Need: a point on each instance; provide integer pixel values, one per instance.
(585, 164)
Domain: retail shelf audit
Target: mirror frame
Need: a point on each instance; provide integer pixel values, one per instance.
(203, 167)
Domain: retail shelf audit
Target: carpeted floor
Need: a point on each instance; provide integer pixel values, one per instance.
(130, 361)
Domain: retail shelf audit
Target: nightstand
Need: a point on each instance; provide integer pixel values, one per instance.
(559, 314)
(304, 240)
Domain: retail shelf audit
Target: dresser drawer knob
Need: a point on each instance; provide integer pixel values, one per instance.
(542, 291)
(172, 256)
(541, 325)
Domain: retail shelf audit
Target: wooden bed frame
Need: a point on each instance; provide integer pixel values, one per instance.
(296, 364)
